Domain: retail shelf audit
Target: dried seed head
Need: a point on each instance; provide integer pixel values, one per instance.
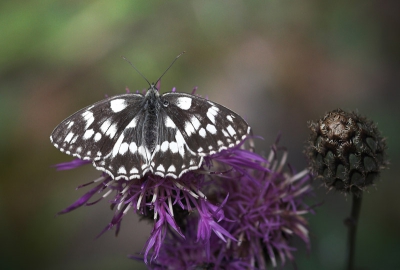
(346, 151)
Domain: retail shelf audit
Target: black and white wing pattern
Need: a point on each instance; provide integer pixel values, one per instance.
(92, 132)
(206, 127)
(129, 135)
(170, 156)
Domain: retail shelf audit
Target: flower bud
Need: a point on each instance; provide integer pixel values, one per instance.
(346, 151)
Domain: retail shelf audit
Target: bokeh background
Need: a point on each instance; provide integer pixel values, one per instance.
(277, 63)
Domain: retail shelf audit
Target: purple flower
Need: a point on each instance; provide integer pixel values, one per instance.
(264, 211)
(165, 199)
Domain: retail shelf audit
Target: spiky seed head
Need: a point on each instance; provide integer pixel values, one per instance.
(346, 151)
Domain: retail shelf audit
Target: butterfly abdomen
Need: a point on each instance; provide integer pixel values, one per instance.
(150, 128)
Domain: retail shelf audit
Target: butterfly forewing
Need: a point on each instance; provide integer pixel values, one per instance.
(92, 132)
(207, 127)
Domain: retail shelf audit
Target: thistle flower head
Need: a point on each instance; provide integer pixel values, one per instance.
(264, 211)
(161, 198)
(346, 151)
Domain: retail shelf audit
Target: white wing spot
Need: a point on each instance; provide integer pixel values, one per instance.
(70, 124)
(231, 130)
(144, 152)
(189, 128)
(220, 143)
(200, 149)
(202, 132)
(124, 148)
(164, 146)
(211, 128)
(88, 134)
(211, 116)
(173, 146)
(184, 103)
(74, 139)
(69, 137)
(230, 119)
(172, 168)
(117, 145)
(88, 116)
(121, 170)
(195, 122)
(161, 168)
(169, 123)
(105, 126)
(133, 147)
(79, 149)
(211, 113)
(97, 137)
(118, 105)
(215, 109)
(134, 171)
(133, 123)
(111, 131)
(180, 142)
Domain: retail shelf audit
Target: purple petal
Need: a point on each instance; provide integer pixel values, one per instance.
(71, 164)
(82, 200)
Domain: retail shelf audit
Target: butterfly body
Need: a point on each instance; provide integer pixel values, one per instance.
(130, 135)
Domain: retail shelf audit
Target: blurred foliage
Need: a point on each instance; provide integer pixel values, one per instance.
(277, 63)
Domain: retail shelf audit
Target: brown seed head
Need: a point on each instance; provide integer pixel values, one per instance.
(346, 151)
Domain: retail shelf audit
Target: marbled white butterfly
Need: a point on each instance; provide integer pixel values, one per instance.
(129, 135)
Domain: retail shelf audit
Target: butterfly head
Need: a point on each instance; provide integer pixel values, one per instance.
(152, 91)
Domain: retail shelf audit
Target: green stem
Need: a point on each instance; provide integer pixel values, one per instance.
(352, 223)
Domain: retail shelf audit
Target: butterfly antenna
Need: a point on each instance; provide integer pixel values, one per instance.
(176, 58)
(123, 57)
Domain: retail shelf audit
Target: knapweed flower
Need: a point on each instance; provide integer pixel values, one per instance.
(263, 210)
(163, 198)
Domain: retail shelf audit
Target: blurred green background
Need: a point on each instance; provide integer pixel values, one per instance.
(277, 63)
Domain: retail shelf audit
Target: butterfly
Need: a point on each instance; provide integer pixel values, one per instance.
(129, 135)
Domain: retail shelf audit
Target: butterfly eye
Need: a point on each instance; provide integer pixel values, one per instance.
(165, 103)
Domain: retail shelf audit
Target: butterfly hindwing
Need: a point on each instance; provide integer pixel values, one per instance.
(206, 127)
(172, 156)
(130, 157)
